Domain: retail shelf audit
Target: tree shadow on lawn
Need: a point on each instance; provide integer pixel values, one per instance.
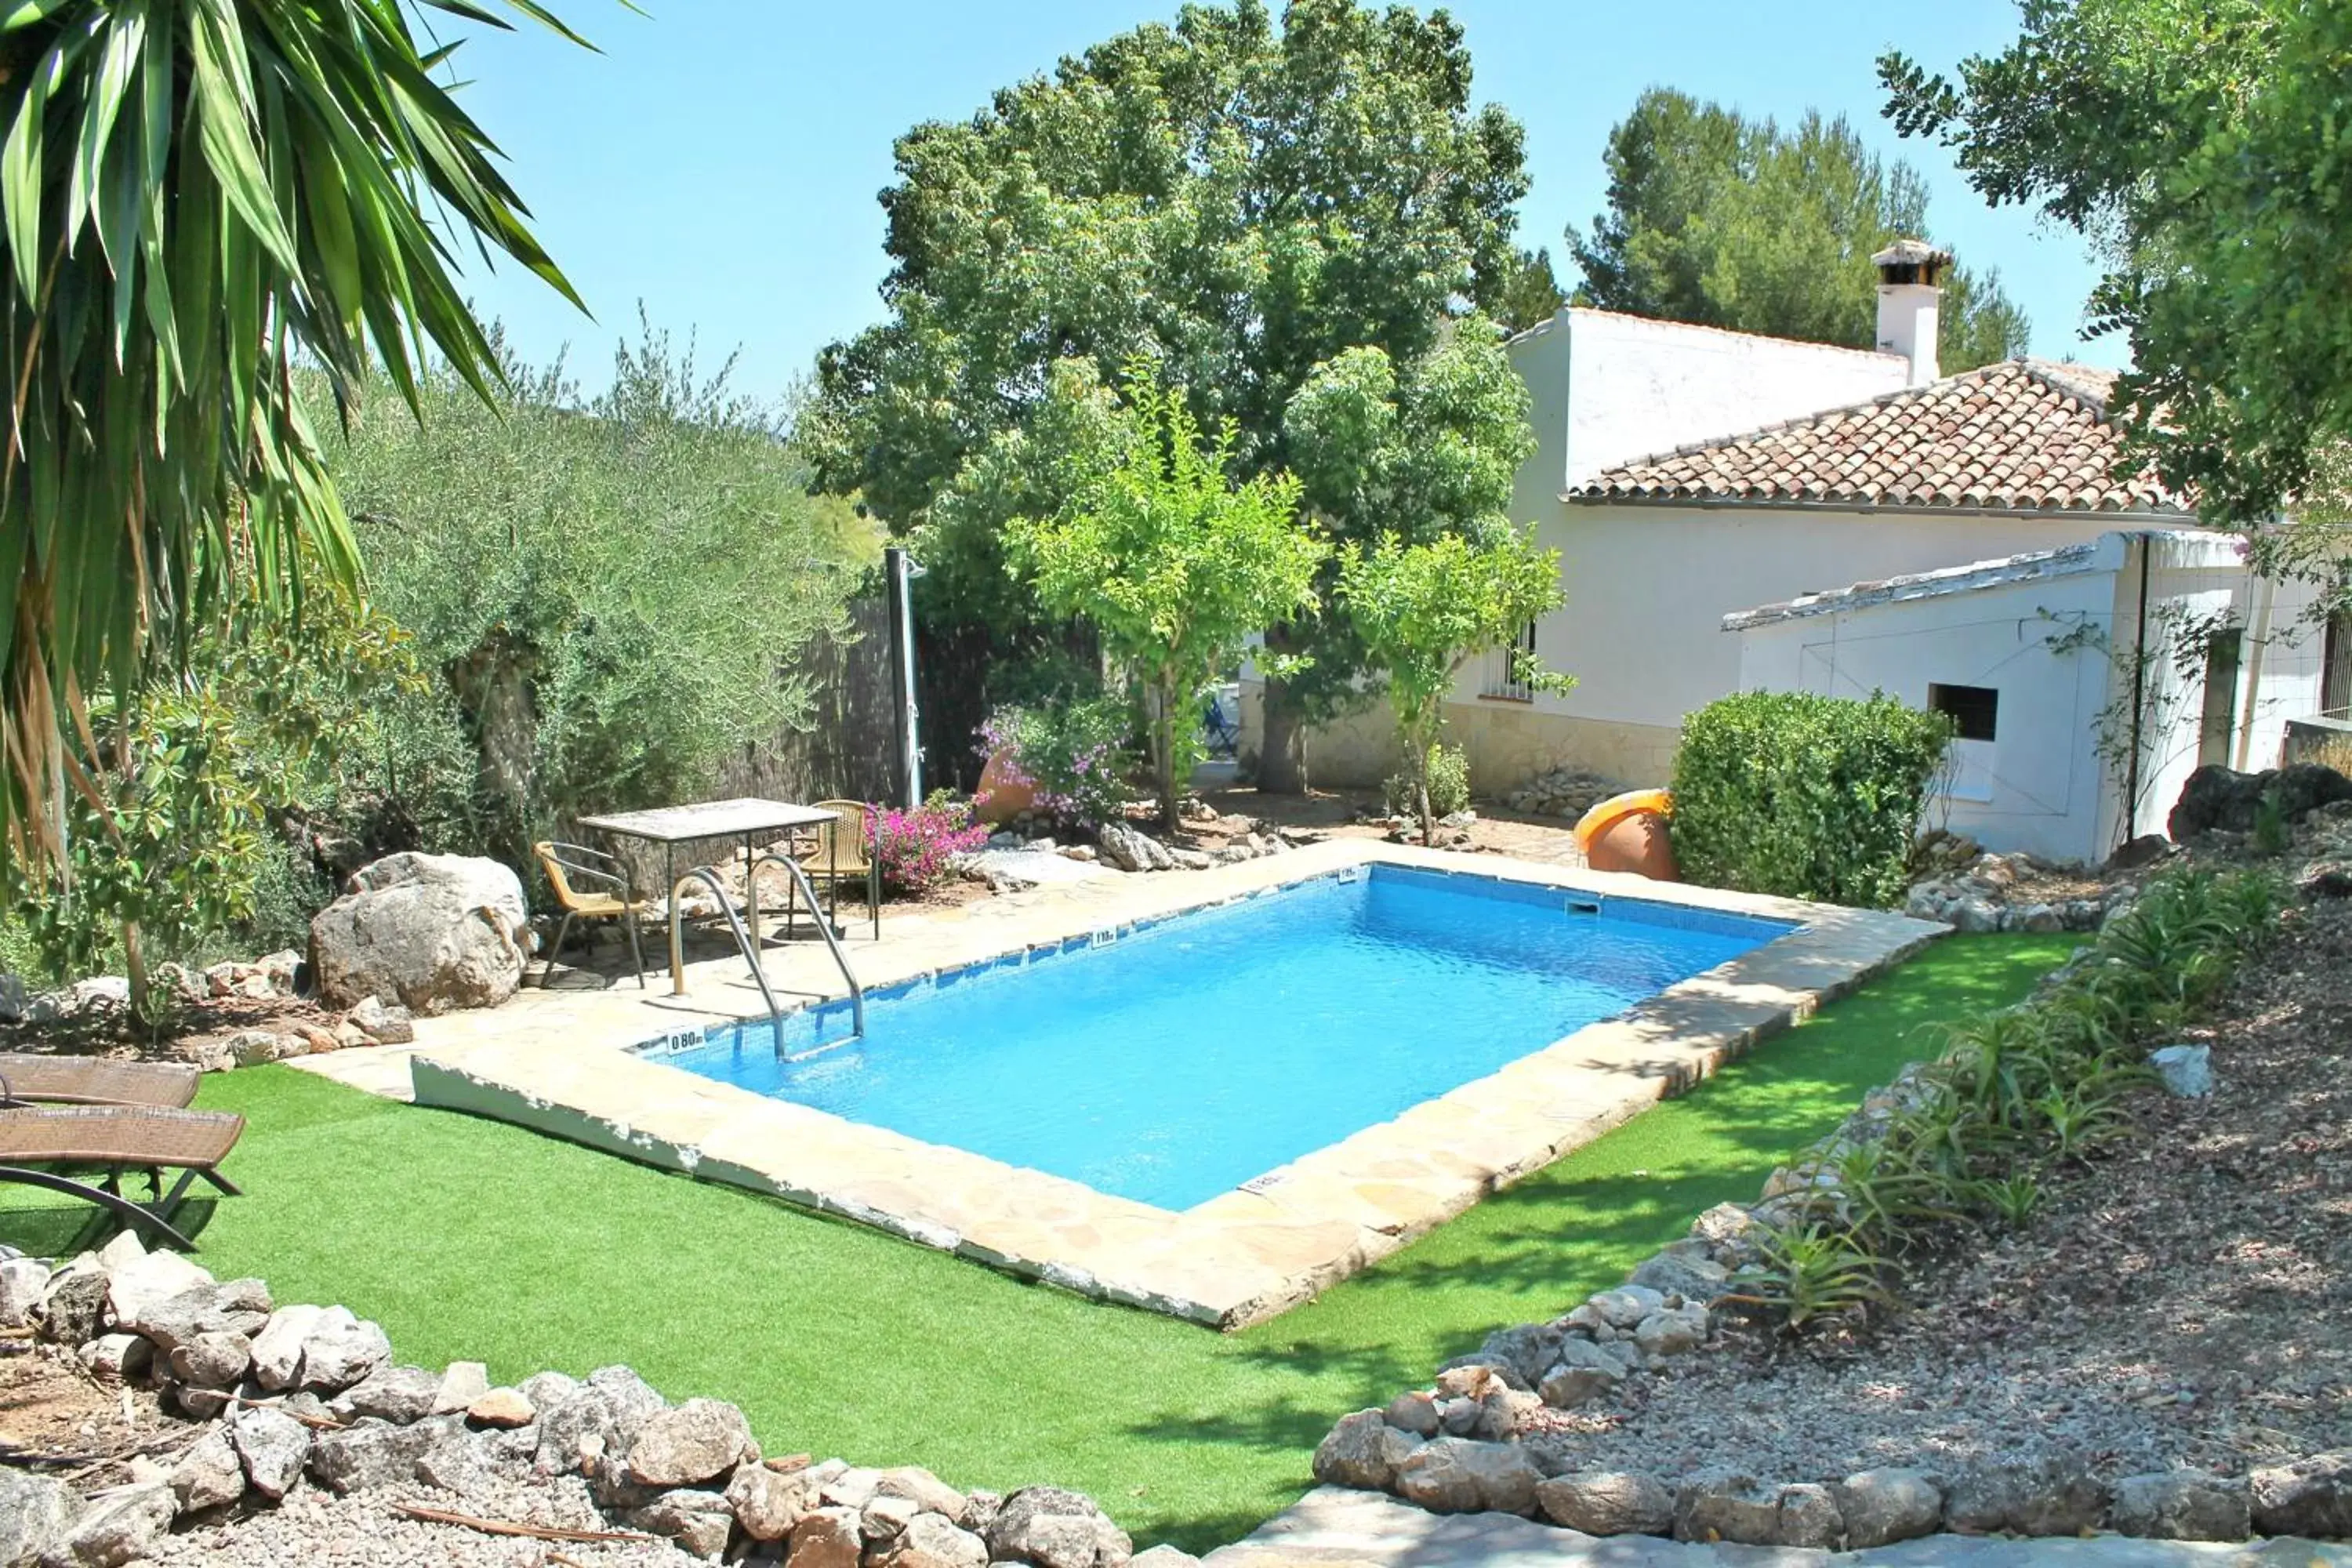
(53, 1225)
(1530, 1251)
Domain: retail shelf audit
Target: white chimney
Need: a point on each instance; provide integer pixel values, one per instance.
(1909, 303)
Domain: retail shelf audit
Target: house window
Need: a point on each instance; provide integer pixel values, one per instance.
(1503, 683)
(2223, 651)
(1974, 711)
(2335, 666)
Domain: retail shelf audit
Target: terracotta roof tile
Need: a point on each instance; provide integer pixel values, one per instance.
(2023, 436)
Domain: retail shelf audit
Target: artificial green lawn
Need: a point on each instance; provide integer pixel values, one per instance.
(471, 1239)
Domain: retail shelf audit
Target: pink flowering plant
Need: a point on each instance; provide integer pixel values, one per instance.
(916, 849)
(1075, 755)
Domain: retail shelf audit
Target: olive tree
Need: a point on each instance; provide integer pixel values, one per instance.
(613, 590)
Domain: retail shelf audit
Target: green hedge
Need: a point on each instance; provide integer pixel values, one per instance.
(1804, 796)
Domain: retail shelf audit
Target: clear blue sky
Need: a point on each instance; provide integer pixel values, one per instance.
(719, 160)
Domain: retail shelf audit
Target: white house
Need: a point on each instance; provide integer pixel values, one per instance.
(2086, 682)
(1687, 475)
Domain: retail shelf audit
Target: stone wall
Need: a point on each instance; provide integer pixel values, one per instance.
(1509, 744)
(282, 1399)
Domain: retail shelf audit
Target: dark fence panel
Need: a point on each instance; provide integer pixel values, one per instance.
(847, 753)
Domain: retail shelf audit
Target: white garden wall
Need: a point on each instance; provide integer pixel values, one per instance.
(2055, 641)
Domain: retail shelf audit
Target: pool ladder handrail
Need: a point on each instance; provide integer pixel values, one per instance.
(708, 877)
(799, 875)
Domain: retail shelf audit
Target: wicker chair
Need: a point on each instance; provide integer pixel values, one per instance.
(597, 870)
(841, 855)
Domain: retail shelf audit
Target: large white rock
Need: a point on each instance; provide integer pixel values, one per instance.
(277, 1349)
(2187, 1070)
(148, 1279)
(341, 1350)
(429, 932)
(35, 1513)
(22, 1282)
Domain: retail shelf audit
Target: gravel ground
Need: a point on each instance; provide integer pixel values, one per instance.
(365, 1531)
(2187, 1299)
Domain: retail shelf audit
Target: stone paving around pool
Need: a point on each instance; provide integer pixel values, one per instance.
(559, 1062)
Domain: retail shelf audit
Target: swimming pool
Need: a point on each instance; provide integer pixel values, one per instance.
(1173, 1062)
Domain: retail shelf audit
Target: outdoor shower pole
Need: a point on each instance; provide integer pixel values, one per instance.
(899, 571)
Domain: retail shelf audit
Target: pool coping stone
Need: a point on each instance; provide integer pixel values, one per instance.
(1238, 1259)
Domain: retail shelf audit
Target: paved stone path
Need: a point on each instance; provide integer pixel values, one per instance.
(1331, 1526)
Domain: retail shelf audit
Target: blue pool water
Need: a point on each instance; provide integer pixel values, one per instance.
(1187, 1056)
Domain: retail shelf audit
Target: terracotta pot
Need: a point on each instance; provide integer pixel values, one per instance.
(1003, 793)
(1636, 842)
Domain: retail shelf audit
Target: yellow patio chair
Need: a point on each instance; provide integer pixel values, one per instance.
(562, 863)
(841, 855)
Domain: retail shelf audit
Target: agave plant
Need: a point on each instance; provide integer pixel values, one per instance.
(2080, 1121)
(199, 195)
(1811, 1271)
(2012, 1199)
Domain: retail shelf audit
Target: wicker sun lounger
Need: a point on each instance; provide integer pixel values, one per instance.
(149, 1140)
(96, 1080)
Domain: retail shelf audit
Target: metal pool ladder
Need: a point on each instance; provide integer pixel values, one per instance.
(708, 877)
(799, 874)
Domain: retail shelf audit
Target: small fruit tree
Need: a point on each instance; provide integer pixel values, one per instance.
(1423, 610)
(1172, 562)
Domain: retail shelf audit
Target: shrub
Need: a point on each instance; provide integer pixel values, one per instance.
(1804, 796)
(1075, 752)
(915, 848)
(170, 839)
(1449, 784)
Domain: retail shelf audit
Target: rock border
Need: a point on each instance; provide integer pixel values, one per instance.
(1453, 1447)
(275, 977)
(288, 1397)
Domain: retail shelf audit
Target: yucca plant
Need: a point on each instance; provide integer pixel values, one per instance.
(199, 195)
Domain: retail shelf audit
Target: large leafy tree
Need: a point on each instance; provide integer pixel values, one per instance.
(1416, 453)
(1726, 221)
(2200, 147)
(1241, 200)
(199, 195)
(1172, 562)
